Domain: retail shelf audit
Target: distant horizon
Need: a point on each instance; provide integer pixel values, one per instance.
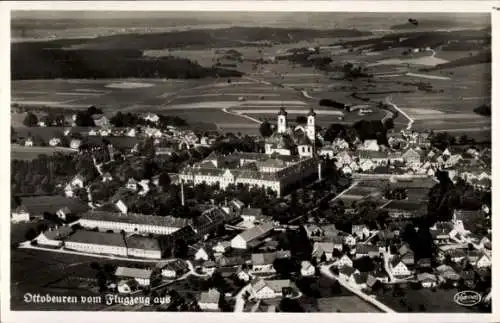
(49, 20)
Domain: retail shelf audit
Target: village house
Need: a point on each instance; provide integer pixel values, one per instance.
(64, 213)
(253, 215)
(104, 132)
(77, 181)
(141, 276)
(360, 231)
(307, 269)
(121, 206)
(20, 214)
(242, 240)
(266, 289)
(75, 143)
(164, 151)
(377, 158)
(427, 280)
(106, 177)
(127, 286)
(131, 132)
(359, 280)
(412, 157)
(174, 269)
(151, 117)
(263, 263)
(483, 262)
(369, 145)
(131, 184)
(366, 250)
(28, 142)
(325, 249)
(350, 240)
(406, 255)
(209, 301)
(343, 158)
(424, 264)
(244, 275)
(347, 273)
(343, 262)
(399, 268)
(462, 219)
(201, 254)
(54, 142)
(53, 237)
(221, 247)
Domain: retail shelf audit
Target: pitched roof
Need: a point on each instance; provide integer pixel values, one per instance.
(362, 248)
(135, 218)
(360, 278)
(426, 276)
(133, 272)
(263, 258)
(256, 232)
(139, 242)
(326, 247)
(370, 154)
(251, 212)
(58, 233)
(278, 284)
(347, 270)
(210, 297)
(97, 238)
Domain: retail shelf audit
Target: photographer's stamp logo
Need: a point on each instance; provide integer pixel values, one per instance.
(467, 298)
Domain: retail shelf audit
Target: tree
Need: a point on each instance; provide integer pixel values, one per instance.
(265, 129)
(164, 181)
(30, 120)
(290, 305)
(30, 234)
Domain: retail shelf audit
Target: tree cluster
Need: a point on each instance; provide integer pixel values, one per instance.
(31, 61)
(84, 118)
(41, 175)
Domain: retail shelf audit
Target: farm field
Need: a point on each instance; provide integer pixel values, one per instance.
(440, 301)
(345, 304)
(29, 153)
(267, 87)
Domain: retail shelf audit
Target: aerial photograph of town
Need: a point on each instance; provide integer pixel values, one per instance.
(335, 162)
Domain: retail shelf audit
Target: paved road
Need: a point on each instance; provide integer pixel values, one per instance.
(410, 120)
(325, 270)
(239, 114)
(240, 302)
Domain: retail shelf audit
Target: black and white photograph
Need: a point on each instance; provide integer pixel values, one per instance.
(250, 161)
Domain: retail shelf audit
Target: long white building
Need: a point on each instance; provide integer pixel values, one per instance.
(132, 222)
(113, 244)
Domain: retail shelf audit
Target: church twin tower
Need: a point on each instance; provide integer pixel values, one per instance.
(310, 128)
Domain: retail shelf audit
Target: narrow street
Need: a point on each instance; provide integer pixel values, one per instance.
(325, 270)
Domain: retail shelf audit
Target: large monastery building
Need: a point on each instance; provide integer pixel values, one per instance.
(289, 158)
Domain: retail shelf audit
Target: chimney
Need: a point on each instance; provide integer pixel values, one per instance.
(182, 193)
(111, 152)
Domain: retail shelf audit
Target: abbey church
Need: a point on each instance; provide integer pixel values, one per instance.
(293, 141)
